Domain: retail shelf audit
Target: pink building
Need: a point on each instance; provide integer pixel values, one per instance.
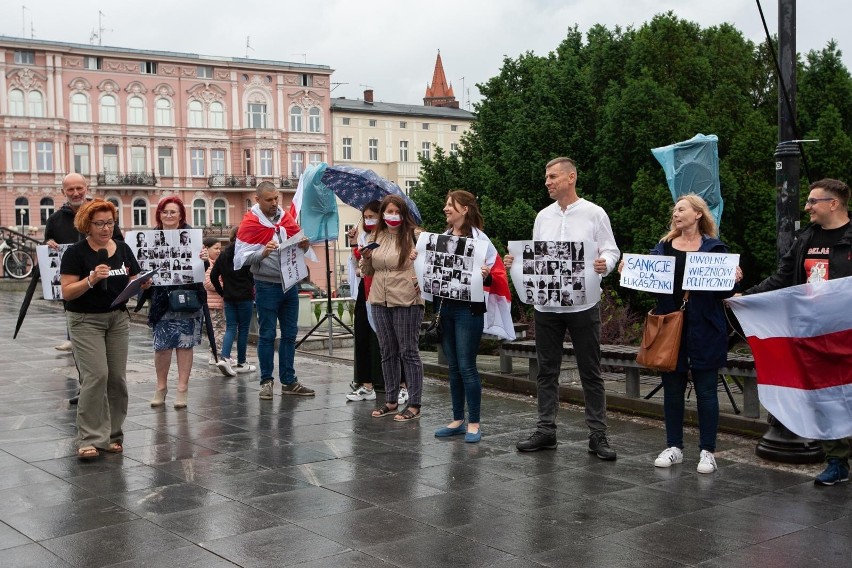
(144, 124)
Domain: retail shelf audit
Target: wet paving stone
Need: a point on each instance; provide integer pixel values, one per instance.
(316, 482)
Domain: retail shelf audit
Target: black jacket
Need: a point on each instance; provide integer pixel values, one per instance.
(791, 270)
(238, 284)
(60, 228)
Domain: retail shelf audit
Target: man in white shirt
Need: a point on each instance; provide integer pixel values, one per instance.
(571, 218)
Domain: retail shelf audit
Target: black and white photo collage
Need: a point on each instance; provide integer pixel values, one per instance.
(49, 261)
(553, 273)
(173, 254)
(448, 266)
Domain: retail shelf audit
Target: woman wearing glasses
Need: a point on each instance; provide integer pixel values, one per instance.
(93, 272)
(173, 331)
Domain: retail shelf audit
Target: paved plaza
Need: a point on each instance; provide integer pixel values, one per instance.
(316, 482)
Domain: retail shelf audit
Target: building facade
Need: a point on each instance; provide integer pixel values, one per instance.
(389, 138)
(144, 124)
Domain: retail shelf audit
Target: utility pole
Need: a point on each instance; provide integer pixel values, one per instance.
(779, 443)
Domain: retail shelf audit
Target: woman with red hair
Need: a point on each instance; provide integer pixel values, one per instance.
(93, 272)
(173, 331)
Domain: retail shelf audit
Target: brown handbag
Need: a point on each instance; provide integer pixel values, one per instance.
(661, 337)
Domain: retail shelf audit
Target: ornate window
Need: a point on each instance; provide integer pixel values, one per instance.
(199, 213)
(137, 159)
(35, 102)
(45, 209)
(296, 119)
(297, 164)
(81, 158)
(220, 212)
(79, 108)
(163, 115)
(109, 115)
(22, 211)
(20, 156)
(140, 212)
(217, 116)
(164, 162)
(135, 111)
(196, 160)
(196, 114)
(256, 115)
(44, 156)
(217, 161)
(314, 120)
(16, 102)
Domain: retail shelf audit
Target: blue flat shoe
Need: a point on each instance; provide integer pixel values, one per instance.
(446, 432)
(473, 437)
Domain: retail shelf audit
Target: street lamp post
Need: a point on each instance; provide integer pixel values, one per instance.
(779, 443)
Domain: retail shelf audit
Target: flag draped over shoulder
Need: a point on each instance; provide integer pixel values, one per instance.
(498, 302)
(801, 338)
(498, 317)
(256, 230)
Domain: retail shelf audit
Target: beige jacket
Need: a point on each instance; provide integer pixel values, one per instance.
(392, 286)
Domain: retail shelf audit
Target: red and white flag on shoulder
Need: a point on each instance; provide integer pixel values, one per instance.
(801, 338)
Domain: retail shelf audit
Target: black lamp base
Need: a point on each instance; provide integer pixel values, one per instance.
(781, 445)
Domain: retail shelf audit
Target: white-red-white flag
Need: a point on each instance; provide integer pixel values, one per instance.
(801, 338)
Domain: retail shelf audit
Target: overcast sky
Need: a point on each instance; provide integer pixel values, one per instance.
(391, 45)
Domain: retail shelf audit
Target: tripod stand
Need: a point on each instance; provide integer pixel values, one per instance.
(329, 316)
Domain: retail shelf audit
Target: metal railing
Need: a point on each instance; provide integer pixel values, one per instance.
(127, 178)
(289, 182)
(222, 180)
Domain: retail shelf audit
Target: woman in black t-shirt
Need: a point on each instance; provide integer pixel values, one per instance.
(93, 272)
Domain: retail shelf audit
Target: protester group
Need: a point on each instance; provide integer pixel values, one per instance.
(558, 272)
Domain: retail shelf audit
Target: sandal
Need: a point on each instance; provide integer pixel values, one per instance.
(406, 415)
(87, 452)
(385, 410)
(114, 448)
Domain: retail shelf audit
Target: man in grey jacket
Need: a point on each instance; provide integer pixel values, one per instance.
(261, 231)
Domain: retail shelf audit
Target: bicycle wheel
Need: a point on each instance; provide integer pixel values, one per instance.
(18, 264)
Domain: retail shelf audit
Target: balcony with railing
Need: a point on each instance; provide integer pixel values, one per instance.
(127, 178)
(225, 181)
(289, 182)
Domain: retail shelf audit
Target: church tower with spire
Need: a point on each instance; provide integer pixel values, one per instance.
(440, 93)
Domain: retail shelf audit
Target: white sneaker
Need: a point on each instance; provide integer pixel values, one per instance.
(706, 463)
(669, 457)
(361, 393)
(244, 368)
(212, 361)
(402, 398)
(64, 346)
(225, 366)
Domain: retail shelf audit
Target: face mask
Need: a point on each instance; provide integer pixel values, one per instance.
(370, 224)
(393, 220)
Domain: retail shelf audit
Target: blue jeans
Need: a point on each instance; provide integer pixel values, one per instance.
(274, 307)
(461, 333)
(707, 398)
(237, 322)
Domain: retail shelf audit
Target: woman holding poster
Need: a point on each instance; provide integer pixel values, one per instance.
(396, 304)
(704, 343)
(173, 331)
(462, 323)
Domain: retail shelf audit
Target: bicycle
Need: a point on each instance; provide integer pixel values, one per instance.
(17, 263)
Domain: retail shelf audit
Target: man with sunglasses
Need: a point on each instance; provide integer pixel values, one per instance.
(822, 251)
(59, 229)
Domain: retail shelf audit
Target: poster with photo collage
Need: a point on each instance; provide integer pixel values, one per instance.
(174, 254)
(448, 266)
(554, 273)
(49, 262)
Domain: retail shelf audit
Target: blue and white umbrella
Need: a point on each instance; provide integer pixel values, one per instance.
(357, 187)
